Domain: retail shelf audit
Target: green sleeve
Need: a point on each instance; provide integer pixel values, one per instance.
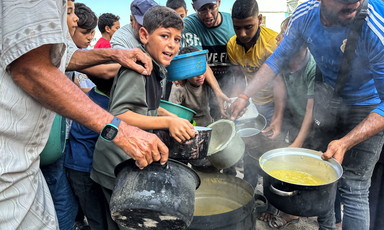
(128, 93)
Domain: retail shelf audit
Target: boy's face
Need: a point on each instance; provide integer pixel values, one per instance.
(182, 12)
(162, 44)
(111, 30)
(246, 28)
(72, 18)
(83, 37)
(196, 81)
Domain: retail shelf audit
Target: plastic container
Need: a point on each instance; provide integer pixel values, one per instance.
(54, 148)
(179, 110)
(187, 65)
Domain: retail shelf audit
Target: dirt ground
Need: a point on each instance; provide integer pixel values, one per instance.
(305, 223)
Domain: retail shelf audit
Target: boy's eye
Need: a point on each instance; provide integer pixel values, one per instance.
(177, 40)
(248, 27)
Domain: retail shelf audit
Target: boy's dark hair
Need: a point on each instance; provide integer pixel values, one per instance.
(188, 49)
(162, 16)
(176, 4)
(107, 19)
(104, 85)
(244, 9)
(87, 18)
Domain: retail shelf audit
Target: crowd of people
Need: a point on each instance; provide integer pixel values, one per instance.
(109, 99)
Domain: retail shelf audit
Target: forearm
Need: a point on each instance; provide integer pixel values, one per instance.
(262, 77)
(369, 127)
(103, 71)
(44, 82)
(145, 122)
(305, 125)
(279, 98)
(82, 59)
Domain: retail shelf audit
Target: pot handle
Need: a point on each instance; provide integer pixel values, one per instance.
(260, 205)
(282, 193)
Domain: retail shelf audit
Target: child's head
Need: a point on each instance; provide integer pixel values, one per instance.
(72, 18)
(197, 80)
(86, 25)
(246, 19)
(138, 9)
(179, 6)
(283, 28)
(104, 85)
(161, 33)
(108, 24)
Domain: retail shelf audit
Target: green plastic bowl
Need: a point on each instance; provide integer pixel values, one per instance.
(179, 110)
(187, 65)
(54, 148)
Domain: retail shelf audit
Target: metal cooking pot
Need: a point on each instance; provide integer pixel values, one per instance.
(250, 129)
(157, 197)
(226, 147)
(192, 149)
(225, 202)
(297, 199)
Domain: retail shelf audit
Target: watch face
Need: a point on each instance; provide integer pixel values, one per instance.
(109, 132)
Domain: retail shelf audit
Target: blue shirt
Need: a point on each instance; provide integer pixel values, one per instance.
(365, 85)
(82, 141)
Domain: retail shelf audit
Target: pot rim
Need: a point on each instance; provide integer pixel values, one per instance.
(233, 133)
(131, 162)
(304, 152)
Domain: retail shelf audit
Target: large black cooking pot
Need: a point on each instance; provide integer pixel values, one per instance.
(157, 197)
(225, 202)
(298, 199)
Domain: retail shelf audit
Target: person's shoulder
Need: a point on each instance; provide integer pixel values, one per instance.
(375, 16)
(232, 41)
(267, 32)
(191, 20)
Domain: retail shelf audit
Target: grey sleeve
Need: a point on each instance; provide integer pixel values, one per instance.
(176, 95)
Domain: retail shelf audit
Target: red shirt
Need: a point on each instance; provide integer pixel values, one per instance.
(102, 43)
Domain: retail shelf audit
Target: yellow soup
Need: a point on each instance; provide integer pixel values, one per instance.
(296, 177)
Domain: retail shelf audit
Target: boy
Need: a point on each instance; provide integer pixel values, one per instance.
(82, 37)
(78, 161)
(108, 24)
(247, 50)
(179, 6)
(193, 94)
(135, 98)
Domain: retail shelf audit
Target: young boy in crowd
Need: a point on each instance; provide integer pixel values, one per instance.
(82, 37)
(78, 161)
(108, 24)
(135, 98)
(247, 51)
(193, 94)
(179, 6)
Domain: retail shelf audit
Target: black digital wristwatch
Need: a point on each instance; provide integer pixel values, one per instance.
(110, 130)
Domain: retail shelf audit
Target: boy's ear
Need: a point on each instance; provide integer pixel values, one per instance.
(107, 29)
(143, 34)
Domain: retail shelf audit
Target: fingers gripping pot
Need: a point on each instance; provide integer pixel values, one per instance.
(157, 197)
(226, 147)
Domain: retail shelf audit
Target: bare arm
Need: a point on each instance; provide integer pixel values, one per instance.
(179, 128)
(305, 125)
(104, 71)
(370, 126)
(220, 96)
(279, 98)
(35, 74)
(82, 59)
(262, 77)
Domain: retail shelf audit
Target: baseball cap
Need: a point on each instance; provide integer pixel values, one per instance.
(139, 7)
(199, 3)
(348, 1)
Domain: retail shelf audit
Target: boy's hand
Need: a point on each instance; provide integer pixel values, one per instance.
(181, 129)
(238, 108)
(134, 59)
(142, 146)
